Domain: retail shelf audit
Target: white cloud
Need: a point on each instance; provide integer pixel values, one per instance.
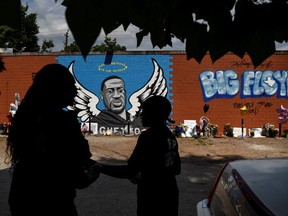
(52, 26)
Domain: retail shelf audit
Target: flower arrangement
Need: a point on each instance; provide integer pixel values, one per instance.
(252, 133)
(180, 129)
(286, 133)
(213, 129)
(4, 128)
(228, 130)
(269, 130)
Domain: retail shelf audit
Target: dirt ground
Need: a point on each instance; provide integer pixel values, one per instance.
(201, 160)
(120, 147)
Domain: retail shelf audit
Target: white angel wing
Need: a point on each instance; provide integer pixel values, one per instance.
(156, 85)
(85, 101)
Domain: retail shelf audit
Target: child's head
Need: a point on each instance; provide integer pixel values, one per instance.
(155, 110)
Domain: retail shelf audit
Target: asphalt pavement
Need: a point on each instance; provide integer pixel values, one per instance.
(117, 197)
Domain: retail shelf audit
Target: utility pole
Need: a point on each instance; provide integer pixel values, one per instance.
(66, 35)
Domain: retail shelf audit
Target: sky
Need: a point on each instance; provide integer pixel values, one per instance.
(52, 26)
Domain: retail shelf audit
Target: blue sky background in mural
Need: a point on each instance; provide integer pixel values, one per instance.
(135, 70)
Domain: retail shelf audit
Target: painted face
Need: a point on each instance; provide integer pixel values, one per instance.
(114, 95)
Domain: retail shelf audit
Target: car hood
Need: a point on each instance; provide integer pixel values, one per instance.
(268, 179)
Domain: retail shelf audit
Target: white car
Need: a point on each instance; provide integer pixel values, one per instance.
(249, 187)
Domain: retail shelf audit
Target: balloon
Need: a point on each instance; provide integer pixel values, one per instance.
(243, 110)
(281, 109)
(206, 108)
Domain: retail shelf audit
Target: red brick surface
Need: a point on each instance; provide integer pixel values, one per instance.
(18, 77)
(187, 94)
(188, 98)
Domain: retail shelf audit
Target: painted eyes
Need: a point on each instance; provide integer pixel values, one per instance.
(118, 90)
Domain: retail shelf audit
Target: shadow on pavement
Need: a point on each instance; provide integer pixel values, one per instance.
(117, 197)
(4, 191)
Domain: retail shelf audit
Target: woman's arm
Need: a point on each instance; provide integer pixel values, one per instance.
(117, 171)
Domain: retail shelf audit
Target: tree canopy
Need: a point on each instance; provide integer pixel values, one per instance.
(103, 47)
(205, 26)
(108, 45)
(217, 27)
(21, 36)
(47, 45)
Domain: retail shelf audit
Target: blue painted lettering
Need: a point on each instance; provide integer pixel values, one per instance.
(224, 84)
(281, 77)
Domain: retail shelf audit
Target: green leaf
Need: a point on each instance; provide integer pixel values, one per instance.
(218, 44)
(257, 50)
(197, 42)
(165, 19)
(220, 25)
(65, 2)
(160, 38)
(278, 24)
(114, 13)
(10, 14)
(84, 18)
(140, 35)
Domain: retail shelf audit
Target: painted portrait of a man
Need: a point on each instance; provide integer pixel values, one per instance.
(113, 94)
(115, 116)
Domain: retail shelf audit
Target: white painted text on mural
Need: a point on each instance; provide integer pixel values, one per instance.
(254, 84)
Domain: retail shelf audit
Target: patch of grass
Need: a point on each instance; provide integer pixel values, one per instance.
(205, 141)
(2, 138)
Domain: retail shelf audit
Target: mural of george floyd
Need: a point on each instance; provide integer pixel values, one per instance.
(110, 93)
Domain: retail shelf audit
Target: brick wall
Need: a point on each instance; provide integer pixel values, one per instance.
(18, 77)
(188, 96)
(186, 91)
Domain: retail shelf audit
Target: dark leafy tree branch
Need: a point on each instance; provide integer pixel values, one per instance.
(253, 28)
(205, 26)
(21, 36)
(18, 29)
(10, 13)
